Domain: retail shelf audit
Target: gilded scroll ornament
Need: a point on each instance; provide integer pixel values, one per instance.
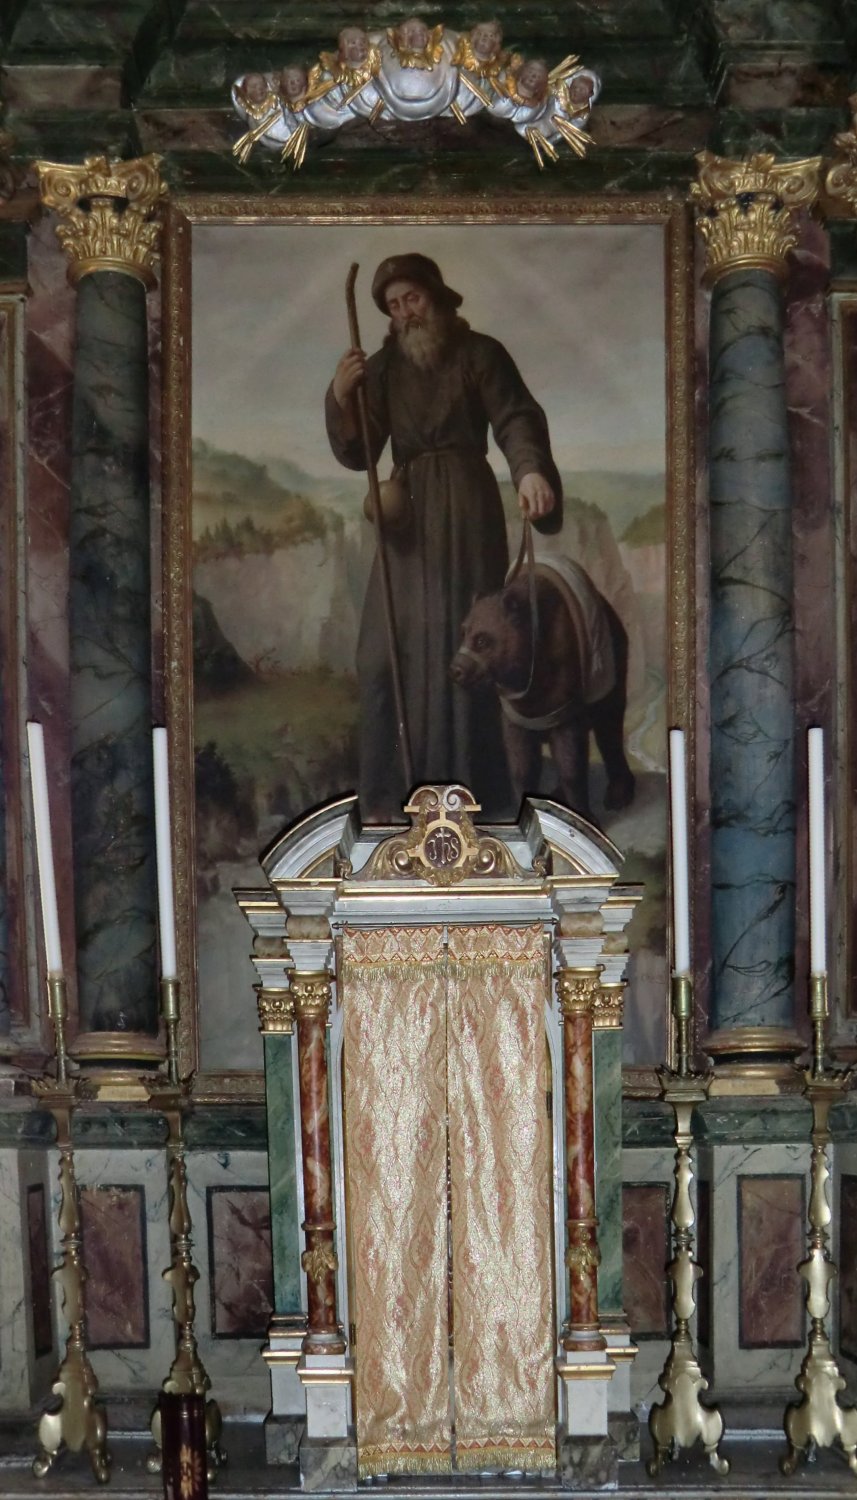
(442, 845)
(311, 995)
(415, 72)
(319, 1260)
(746, 211)
(276, 1010)
(579, 991)
(840, 183)
(107, 212)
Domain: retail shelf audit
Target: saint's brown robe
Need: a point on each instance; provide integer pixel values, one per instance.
(452, 547)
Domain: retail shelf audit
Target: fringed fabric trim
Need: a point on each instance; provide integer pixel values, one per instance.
(382, 1460)
(496, 968)
(536, 1458)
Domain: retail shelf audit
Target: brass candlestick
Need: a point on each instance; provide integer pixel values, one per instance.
(817, 1420)
(79, 1421)
(187, 1375)
(681, 1419)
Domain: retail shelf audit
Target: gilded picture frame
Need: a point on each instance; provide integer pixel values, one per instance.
(445, 221)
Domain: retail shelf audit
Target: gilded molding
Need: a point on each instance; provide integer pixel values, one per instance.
(311, 995)
(746, 211)
(9, 177)
(840, 182)
(578, 991)
(276, 1010)
(107, 211)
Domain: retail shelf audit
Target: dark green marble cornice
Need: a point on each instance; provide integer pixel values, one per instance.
(130, 76)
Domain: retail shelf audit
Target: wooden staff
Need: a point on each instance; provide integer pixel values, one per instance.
(375, 497)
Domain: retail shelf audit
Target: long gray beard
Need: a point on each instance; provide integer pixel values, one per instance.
(424, 343)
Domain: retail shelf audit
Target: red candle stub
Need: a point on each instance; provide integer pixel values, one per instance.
(185, 1467)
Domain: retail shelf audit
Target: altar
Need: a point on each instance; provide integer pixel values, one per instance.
(441, 1007)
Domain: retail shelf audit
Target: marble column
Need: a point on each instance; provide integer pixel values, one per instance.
(311, 996)
(578, 991)
(108, 232)
(747, 218)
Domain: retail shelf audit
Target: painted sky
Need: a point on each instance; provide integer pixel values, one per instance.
(580, 308)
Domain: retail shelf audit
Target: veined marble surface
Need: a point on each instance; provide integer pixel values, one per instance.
(643, 1269)
(24, 1375)
(751, 658)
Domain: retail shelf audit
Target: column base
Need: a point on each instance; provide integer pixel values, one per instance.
(326, 1380)
(623, 1428)
(587, 1463)
(328, 1463)
(755, 1060)
(585, 1381)
(282, 1438)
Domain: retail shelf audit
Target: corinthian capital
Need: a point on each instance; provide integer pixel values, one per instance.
(579, 991)
(746, 211)
(107, 213)
(311, 994)
(840, 183)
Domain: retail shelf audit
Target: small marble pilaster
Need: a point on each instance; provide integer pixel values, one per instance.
(311, 995)
(577, 990)
(285, 1208)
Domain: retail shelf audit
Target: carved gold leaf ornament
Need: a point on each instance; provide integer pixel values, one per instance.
(318, 1261)
(840, 183)
(276, 1010)
(442, 846)
(107, 214)
(747, 210)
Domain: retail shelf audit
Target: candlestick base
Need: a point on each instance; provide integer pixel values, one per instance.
(115, 1065)
(817, 1420)
(681, 1420)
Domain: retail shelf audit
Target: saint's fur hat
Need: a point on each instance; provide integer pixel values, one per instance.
(418, 268)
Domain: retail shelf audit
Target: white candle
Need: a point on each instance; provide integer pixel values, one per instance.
(817, 903)
(44, 849)
(164, 848)
(680, 862)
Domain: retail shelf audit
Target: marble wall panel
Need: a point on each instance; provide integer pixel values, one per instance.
(40, 1269)
(112, 1182)
(14, 1005)
(649, 1168)
(845, 526)
(239, 1248)
(808, 371)
(238, 1373)
(771, 1230)
(113, 1221)
(702, 1254)
(847, 1261)
(646, 1253)
(28, 1358)
(736, 1367)
(49, 356)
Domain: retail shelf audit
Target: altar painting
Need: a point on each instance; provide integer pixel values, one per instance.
(282, 550)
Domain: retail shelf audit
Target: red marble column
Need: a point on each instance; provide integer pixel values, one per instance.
(311, 995)
(578, 990)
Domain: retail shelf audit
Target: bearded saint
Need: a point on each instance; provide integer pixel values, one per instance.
(434, 389)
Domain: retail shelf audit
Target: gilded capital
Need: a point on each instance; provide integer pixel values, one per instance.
(840, 183)
(578, 990)
(311, 995)
(746, 211)
(276, 1010)
(107, 214)
(609, 1006)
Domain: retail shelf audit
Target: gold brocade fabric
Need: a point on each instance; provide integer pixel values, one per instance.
(500, 1171)
(392, 985)
(449, 1040)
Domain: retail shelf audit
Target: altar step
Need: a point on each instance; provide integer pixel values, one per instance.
(753, 1443)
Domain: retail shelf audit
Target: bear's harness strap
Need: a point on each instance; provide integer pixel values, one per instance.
(526, 551)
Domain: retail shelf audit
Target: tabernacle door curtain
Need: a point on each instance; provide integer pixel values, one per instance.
(448, 1164)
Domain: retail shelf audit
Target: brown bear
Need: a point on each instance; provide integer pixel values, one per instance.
(572, 681)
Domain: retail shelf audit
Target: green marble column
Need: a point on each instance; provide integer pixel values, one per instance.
(748, 221)
(108, 234)
(285, 1214)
